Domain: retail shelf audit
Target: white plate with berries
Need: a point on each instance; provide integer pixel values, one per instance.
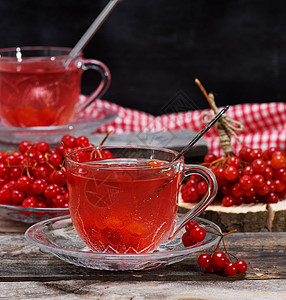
(59, 237)
(82, 125)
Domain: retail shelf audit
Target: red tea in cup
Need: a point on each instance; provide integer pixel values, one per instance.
(39, 88)
(123, 204)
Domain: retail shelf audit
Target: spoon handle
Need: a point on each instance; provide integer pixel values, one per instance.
(92, 29)
(200, 134)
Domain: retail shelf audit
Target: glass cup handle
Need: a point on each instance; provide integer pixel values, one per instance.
(208, 198)
(102, 69)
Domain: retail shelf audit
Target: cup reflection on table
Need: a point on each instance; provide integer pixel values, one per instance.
(40, 87)
(122, 203)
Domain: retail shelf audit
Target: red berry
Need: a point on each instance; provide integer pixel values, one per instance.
(239, 200)
(9, 185)
(60, 150)
(58, 201)
(5, 196)
(24, 184)
(230, 173)
(39, 186)
(246, 182)
(41, 171)
(3, 169)
(245, 154)
(236, 190)
(268, 173)
(191, 182)
(272, 187)
(59, 177)
(190, 225)
(219, 259)
(255, 153)
(211, 269)
(106, 154)
(248, 170)
(228, 200)
(192, 194)
(186, 240)
(82, 141)
(69, 141)
(12, 160)
(278, 162)
(15, 173)
(272, 198)
(204, 260)
(241, 266)
(264, 190)
(259, 166)
(198, 234)
(233, 161)
(278, 152)
(270, 152)
(280, 174)
(219, 173)
(230, 269)
(258, 180)
(24, 146)
(279, 186)
(210, 157)
(41, 204)
(17, 196)
(43, 147)
(30, 201)
(250, 192)
(55, 159)
(52, 191)
(202, 187)
(3, 156)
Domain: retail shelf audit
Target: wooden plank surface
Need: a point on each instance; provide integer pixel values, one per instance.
(264, 253)
(26, 272)
(114, 290)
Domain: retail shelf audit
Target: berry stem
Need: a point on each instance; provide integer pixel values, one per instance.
(105, 138)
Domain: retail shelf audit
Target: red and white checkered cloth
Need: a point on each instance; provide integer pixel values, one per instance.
(264, 124)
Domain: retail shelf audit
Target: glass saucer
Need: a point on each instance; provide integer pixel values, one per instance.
(30, 215)
(82, 125)
(59, 237)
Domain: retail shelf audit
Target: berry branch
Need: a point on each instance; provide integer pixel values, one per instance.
(218, 260)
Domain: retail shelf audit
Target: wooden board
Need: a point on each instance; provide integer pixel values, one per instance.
(276, 219)
(244, 218)
(263, 251)
(29, 273)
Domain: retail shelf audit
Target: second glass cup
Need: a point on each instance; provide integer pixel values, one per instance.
(39, 87)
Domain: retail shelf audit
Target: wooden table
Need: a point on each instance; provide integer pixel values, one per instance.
(26, 272)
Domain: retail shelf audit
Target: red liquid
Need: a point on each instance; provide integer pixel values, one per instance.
(38, 93)
(124, 211)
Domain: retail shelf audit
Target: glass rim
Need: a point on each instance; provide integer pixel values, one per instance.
(86, 164)
(19, 49)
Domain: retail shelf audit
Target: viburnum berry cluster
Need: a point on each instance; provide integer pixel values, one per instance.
(249, 176)
(252, 176)
(218, 261)
(34, 176)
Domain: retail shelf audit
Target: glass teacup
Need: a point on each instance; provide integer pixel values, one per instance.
(125, 199)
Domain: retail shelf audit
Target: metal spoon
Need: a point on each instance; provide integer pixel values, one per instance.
(92, 30)
(200, 134)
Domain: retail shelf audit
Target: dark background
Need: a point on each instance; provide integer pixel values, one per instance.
(156, 48)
